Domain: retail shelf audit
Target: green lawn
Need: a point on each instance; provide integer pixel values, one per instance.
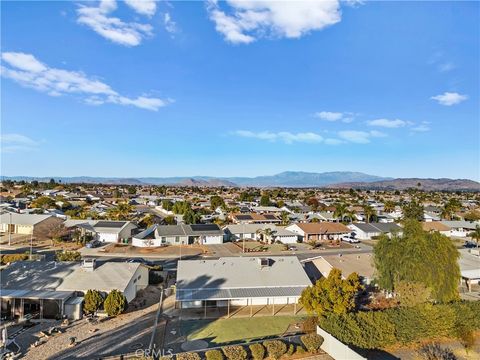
(229, 330)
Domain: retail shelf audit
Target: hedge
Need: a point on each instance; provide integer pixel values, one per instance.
(257, 351)
(235, 352)
(213, 355)
(10, 258)
(403, 325)
(275, 348)
(188, 356)
(312, 342)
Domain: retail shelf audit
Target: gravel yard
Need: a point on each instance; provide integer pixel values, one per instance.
(123, 334)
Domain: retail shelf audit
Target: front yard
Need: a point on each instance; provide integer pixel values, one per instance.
(223, 331)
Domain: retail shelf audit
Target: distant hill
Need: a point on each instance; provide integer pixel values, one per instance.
(305, 179)
(408, 183)
(338, 179)
(284, 179)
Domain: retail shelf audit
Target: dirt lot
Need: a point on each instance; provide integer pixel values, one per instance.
(123, 334)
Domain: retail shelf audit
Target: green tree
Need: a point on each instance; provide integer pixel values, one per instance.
(340, 211)
(44, 202)
(332, 294)
(169, 220)
(369, 212)
(191, 217)
(412, 293)
(418, 256)
(120, 212)
(475, 234)
(389, 206)
(92, 302)
(413, 211)
(115, 303)
(285, 218)
(265, 200)
(68, 256)
(215, 202)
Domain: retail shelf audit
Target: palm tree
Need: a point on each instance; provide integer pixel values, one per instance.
(285, 218)
(340, 210)
(121, 211)
(266, 234)
(368, 212)
(475, 234)
(389, 206)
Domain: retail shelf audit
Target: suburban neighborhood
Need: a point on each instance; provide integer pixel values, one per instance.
(239, 180)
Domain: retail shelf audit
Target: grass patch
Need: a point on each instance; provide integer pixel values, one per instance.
(230, 330)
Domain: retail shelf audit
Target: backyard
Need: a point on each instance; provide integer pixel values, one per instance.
(223, 331)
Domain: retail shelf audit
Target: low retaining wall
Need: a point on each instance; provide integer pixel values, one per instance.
(336, 349)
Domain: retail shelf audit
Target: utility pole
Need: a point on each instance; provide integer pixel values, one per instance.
(10, 230)
(31, 245)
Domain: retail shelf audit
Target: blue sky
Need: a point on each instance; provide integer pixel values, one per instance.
(240, 88)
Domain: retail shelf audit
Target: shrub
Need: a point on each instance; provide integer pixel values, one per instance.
(115, 303)
(291, 349)
(310, 324)
(154, 278)
(214, 355)
(257, 351)
(235, 352)
(68, 256)
(275, 348)
(92, 302)
(312, 342)
(188, 356)
(299, 350)
(435, 352)
(10, 258)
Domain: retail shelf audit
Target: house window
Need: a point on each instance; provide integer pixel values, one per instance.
(177, 239)
(164, 239)
(139, 277)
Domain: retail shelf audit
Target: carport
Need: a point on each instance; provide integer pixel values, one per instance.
(33, 304)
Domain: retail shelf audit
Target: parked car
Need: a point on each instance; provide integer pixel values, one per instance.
(292, 248)
(350, 239)
(469, 245)
(141, 261)
(93, 244)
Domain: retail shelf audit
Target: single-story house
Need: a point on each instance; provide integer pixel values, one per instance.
(321, 266)
(37, 225)
(366, 231)
(255, 232)
(182, 234)
(240, 281)
(321, 231)
(436, 226)
(104, 230)
(52, 290)
(254, 218)
(460, 228)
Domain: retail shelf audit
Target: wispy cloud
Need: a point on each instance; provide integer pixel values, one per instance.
(26, 70)
(114, 29)
(284, 136)
(331, 116)
(387, 123)
(247, 21)
(10, 143)
(143, 7)
(423, 127)
(441, 62)
(449, 98)
(359, 137)
(170, 25)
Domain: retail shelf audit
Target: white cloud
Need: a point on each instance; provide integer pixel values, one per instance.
(331, 141)
(10, 143)
(449, 98)
(286, 137)
(360, 137)
(249, 20)
(345, 117)
(143, 7)
(423, 127)
(329, 116)
(112, 28)
(170, 25)
(26, 70)
(445, 67)
(387, 123)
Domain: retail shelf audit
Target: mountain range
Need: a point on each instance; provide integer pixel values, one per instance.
(337, 179)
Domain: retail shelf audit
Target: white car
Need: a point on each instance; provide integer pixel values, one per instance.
(350, 239)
